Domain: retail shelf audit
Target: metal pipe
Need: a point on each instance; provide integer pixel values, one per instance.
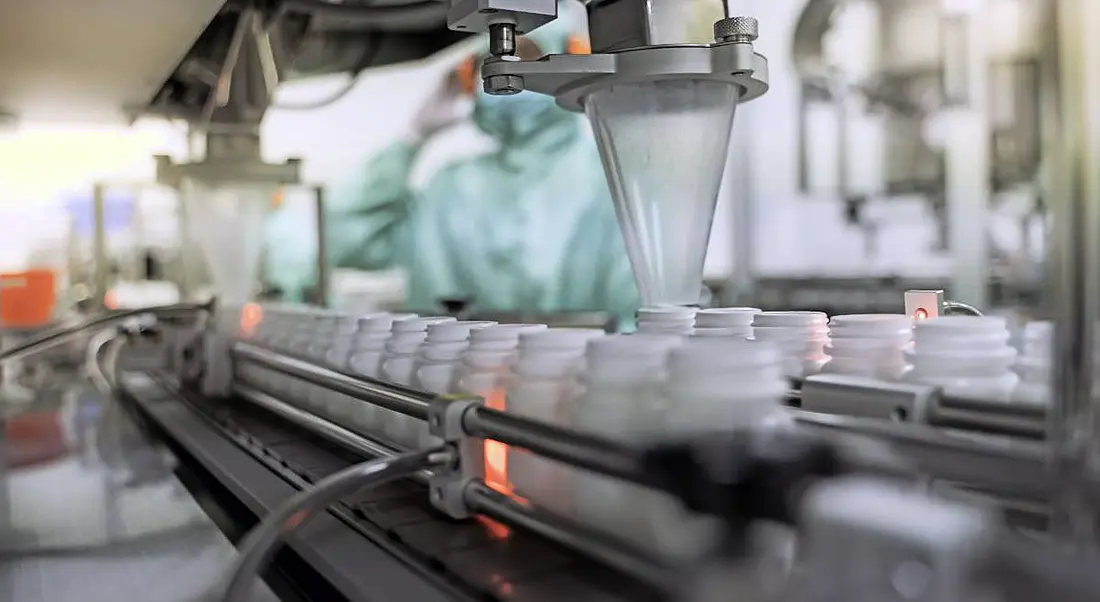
(484, 500)
(322, 248)
(388, 396)
(1006, 466)
(555, 443)
(356, 443)
(100, 272)
(1070, 96)
(61, 335)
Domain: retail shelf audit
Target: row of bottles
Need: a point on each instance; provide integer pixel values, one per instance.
(630, 388)
(968, 356)
(683, 373)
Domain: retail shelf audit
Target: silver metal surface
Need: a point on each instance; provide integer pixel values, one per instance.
(323, 279)
(100, 259)
(591, 453)
(502, 39)
(570, 78)
(449, 483)
(999, 464)
(232, 156)
(867, 398)
(476, 16)
(1071, 99)
(391, 397)
(737, 30)
(318, 425)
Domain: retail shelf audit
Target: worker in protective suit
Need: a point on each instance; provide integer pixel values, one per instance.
(527, 226)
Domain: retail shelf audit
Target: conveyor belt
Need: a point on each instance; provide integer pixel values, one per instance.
(405, 550)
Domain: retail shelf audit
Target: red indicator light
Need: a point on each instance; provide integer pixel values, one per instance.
(920, 314)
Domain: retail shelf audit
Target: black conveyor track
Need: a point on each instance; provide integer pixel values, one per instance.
(385, 545)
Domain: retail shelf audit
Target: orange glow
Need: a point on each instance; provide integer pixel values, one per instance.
(496, 530)
(251, 317)
(920, 314)
(110, 300)
(578, 45)
(496, 453)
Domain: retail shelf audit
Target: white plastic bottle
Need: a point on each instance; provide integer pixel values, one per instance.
(484, 371)
(397, 368)
(542, 388)
(365, 360)
(801, 337)
(666, 319)
(713, 386)
(436, 364)
(369, 344)
(725, 322)
(619, 401)
(871, 345)
(967, 356)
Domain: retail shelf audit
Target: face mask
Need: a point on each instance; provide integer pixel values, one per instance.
(515, 117)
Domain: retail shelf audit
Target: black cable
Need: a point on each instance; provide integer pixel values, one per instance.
(60, 335)
(324, 102)
(370, 50)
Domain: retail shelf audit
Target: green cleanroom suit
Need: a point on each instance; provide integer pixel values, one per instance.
(527, 226)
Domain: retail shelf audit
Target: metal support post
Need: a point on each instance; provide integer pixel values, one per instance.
(1071, 109)
(967, 154)
(322, 295)
(100, 263)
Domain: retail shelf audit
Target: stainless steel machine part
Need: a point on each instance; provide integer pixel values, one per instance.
(398, 399)
(632, 41)
(1071, 105)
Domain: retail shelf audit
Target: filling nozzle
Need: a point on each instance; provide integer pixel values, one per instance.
(662, 111)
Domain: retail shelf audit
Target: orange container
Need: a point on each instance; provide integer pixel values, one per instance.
(27, 299)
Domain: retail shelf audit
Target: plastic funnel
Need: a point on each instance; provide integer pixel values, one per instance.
(226, 223)
(664, 146)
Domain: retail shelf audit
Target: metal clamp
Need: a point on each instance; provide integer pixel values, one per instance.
(448, 484)
(846, 395)
(571, 78)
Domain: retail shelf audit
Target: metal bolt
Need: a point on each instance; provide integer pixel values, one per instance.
(502, 39)
(503, 85)
(737, 30)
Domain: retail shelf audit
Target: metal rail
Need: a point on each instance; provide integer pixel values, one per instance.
(391, 397)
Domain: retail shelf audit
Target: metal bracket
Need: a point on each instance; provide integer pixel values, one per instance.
(219, 172)
(571, 78)
(448, 484)
(473, 16)
(862, 397)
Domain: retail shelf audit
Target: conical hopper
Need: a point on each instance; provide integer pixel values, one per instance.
(664, 145)
(226, 223)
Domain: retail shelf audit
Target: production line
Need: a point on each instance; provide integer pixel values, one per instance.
(268, 429)
(715, 454)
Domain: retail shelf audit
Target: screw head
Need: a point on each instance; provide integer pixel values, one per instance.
(737, 29)
(503, 85)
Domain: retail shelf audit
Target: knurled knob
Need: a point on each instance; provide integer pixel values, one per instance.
(737, 29)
